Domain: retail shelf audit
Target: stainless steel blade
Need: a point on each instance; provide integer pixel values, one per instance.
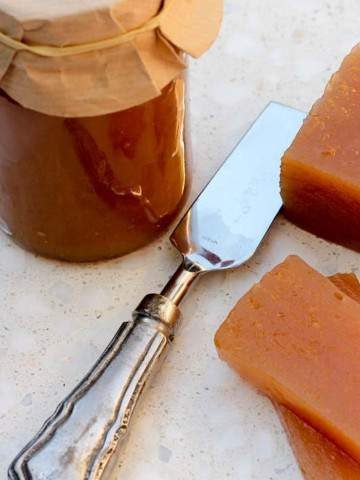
(227, 222)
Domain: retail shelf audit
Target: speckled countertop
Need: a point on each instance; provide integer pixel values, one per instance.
(198, 420)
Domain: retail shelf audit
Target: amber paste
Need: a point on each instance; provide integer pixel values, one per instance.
(320, 174)
(90, 188)
(296, 336)
(318, 457)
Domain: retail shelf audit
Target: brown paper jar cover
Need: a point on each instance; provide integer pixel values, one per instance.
(107, 80)
(94, 146)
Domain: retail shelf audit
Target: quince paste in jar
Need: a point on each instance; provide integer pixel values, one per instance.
(96, 187)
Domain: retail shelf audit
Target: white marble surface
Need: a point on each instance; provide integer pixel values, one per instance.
(198, 421)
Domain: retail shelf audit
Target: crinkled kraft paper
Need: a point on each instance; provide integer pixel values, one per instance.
(111, 79)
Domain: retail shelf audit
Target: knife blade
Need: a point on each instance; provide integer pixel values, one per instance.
(225, 225)
(221, 230)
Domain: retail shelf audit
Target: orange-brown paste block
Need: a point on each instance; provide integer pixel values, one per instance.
(320, 174)
(318, 457)
(297, 337)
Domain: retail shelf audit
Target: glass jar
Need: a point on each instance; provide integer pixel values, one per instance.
(84, 189)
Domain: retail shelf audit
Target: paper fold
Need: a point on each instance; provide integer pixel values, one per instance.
(111, 79)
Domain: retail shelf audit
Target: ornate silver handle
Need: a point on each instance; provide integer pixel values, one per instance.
(78, 440)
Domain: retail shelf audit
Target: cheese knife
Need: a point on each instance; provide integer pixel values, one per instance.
(221, 230)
